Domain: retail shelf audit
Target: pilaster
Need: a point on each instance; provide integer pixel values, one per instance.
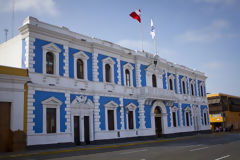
(180, 114)
(29, 55)
(96, 113)
(141, 114)
(68, 111)
(66, 61)
(138, 76)
(122, 113)
(119, 71)
(95, 65)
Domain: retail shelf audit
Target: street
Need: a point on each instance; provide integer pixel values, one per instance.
(208, 147)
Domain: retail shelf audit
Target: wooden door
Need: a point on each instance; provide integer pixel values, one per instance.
(86, 130)
(5, 138)
(76, 130)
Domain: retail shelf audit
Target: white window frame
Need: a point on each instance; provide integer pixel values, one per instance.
(203, 91)
(158, 71)
(81, 55)
(205, 111)
(53, 48)
(184, 79)
(130, 68)
(172, 78)
(187, 110)
(51, 102)
(131, 107)
(111, 62)
(111, 106)
(192, 83)
(175, 109)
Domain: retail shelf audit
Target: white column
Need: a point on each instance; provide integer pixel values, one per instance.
(29, 54)
(96, 113)
(66, 74)
(122, 114)
(166, 80)
(68, 112)
(138, 74)
(141, 114)
(119, 70)
(95, 65)
(178, 88)
(180, 114)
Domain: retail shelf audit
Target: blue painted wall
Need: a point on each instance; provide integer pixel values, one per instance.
(168, 116)
(40, 96)
(71, 52)
(38, 58)
(147, 113)
(125, 103)
(183, 114)
(143, 75)
(103, 100)
(100, 68)
(23, 53)
(202, 107)
(164, 80)
(122, 63)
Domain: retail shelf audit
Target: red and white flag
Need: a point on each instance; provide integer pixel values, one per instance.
(136, 15)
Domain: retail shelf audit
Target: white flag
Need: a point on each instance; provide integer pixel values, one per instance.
(152, 30)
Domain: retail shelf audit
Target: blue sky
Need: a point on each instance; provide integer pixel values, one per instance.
(200, 34)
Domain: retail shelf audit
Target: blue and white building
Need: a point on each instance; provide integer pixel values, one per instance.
(84, 89)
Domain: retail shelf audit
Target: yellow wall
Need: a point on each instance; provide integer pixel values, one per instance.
(232, 118)
(13, 71)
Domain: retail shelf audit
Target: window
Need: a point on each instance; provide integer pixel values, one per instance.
(127, 77)
(187, 119)
(192, 90)
(51, 115)
(205, 118)
(80, 69)
(51, 120)
(108, 73)
(80, 65)
(111, 115)
(201, 90)
(131, 116)
(171, 84)
(50, 58)
(183, 87)
(50, 63)
(130, 119)
(174, 119)
(110, 120)
(154, 80)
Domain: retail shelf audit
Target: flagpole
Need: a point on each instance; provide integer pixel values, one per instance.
(141, 32)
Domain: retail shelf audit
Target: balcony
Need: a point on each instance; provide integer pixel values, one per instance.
(157, 93)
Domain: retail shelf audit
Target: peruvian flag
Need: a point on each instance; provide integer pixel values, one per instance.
(136, 15)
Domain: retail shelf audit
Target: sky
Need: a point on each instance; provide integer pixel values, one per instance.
(200, 34)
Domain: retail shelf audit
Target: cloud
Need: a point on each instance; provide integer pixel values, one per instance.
(215, 31)
(39, 7)
(214, 65)
(227, 2)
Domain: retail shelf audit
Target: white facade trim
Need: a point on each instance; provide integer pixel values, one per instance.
(55, 50)
(130, 68)
(51, 102)
(111, 62)
(111, 106)
(81, 55)
(131, 107)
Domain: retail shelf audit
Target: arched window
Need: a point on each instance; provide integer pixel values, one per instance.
(127, 74)
(50, 63)
(171, 84)
(201, 90)
(80, 69)
(154, 81)
(183, 87)
(192, 90)
(108, 73)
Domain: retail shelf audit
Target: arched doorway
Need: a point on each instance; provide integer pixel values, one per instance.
(158, 121)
